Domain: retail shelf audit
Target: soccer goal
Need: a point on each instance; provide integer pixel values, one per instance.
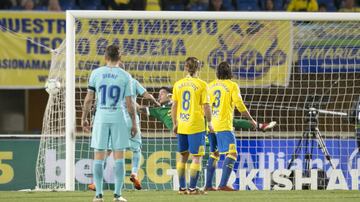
(301, 70)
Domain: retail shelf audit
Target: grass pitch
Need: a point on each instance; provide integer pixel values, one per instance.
(171, 196)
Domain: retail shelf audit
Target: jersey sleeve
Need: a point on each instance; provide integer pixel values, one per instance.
(92, 86)
(140, 90)
(205, 99)
(237, 99)
(128, 86)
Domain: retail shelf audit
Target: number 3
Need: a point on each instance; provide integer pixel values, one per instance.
(217, 95)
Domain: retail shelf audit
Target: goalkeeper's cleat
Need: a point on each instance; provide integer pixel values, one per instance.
(135, 181)
(98, 198)
(118, 198)
(92, 187)
(196, 191)
(266, 126)
(210, 189)
(226, 188)
(183, 191)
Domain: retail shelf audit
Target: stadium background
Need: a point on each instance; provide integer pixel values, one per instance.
(22, 102)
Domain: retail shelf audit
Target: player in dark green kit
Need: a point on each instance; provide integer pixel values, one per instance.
(163, 114)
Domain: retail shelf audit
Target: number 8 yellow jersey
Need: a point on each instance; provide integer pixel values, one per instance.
(190, 94)
(224, 95)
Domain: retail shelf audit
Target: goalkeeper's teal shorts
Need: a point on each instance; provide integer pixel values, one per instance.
(226, 142)
(114, 134)
(135, 142)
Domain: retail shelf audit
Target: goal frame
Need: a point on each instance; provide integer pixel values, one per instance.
(70, 52)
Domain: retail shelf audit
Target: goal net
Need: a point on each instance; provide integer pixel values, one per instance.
(300, 72)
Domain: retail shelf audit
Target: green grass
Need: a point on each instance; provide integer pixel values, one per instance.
(171, 196)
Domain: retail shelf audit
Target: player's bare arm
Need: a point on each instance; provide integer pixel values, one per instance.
(132, 112)
(207, 112)
(249, 117)
(86, 110)
(173, 116)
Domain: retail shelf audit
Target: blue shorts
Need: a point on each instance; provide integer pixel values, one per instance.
(194, 143)
(212, 142)
(226, 142)
(114, 134)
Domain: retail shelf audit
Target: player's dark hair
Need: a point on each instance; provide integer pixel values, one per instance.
(112, 53)
(223, 71)
(168, 90)
(193, 65)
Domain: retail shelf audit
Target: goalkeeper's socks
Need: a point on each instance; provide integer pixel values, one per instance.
(226, 170)
(210, 170)
(194, 174)
(119, 175)
(180, 167)
(98, 172)
(135, 161)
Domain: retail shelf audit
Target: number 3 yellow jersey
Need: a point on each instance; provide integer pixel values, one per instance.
(190, 94)
(224, 96)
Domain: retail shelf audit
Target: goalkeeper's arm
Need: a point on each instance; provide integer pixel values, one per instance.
(147, 95)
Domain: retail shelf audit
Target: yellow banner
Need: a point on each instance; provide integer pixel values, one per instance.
(153, 50)
(23, 64)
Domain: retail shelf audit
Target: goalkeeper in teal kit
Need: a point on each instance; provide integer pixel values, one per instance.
(163, 114)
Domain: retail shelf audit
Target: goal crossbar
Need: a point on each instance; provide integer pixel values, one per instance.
(301, 16)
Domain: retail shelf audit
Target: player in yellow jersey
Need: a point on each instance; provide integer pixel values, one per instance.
(224, 97)
(190, 106)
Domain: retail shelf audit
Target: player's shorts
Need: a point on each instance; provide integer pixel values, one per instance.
(212, 142)
(135, 143)
(115, 134)
(226, 142)
(194, 143)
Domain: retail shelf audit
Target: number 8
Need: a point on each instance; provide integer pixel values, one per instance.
(186, 100)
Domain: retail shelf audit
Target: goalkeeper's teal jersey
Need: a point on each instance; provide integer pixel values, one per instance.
(111, 86)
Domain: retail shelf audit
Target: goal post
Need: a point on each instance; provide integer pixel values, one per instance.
(70, 124)
(283, 62)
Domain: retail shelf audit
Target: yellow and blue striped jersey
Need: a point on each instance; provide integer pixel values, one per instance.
(224, 96)
(190, 94)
